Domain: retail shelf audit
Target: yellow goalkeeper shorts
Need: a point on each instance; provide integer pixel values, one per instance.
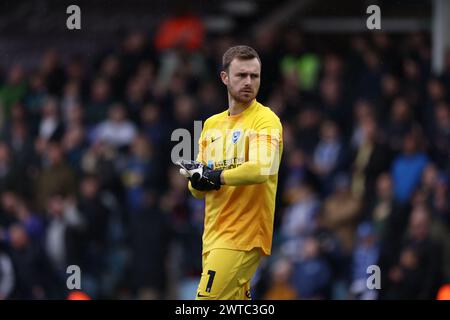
(227, 273)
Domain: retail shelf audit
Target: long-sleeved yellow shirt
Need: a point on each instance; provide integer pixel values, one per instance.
(248, 147)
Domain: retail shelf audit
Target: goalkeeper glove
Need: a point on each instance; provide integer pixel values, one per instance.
(202, 177)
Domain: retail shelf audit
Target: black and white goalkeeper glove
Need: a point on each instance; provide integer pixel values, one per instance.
(201, 176)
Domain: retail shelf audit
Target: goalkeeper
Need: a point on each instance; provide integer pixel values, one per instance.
(237, 173)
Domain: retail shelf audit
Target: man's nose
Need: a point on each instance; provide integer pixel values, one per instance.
(248, 80)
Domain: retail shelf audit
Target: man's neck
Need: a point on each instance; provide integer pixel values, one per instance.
(237, 107)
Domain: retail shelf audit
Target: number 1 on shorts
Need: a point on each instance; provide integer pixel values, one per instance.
(211, 274)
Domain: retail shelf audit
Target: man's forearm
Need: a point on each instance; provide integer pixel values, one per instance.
(247, 173)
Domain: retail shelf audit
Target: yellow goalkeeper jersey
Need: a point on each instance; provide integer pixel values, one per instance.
(248, 147)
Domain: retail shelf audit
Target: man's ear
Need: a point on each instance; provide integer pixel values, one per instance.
(224, 77)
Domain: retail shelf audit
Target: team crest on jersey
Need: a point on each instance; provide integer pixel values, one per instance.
(235, 136)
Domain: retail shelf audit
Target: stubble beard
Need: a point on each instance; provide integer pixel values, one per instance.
(241, 98)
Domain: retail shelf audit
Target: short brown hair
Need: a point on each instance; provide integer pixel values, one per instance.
(239, 52)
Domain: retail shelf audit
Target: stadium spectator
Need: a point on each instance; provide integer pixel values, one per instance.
(56, 176)
(311, 273)
(53, 72)
(418, 271)
(99, 102)
(407, 167)
(341, 212)
(365, 254)
(370, 158)
(7, 276)
(151, 238)
(300, 218)
(117, 130)
(329, 155)
(140, 171)
(280, 287)
(12, 91)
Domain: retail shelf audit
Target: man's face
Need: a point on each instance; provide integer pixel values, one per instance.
(242, 79)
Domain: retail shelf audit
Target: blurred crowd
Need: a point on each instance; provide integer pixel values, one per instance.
(86, 176)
